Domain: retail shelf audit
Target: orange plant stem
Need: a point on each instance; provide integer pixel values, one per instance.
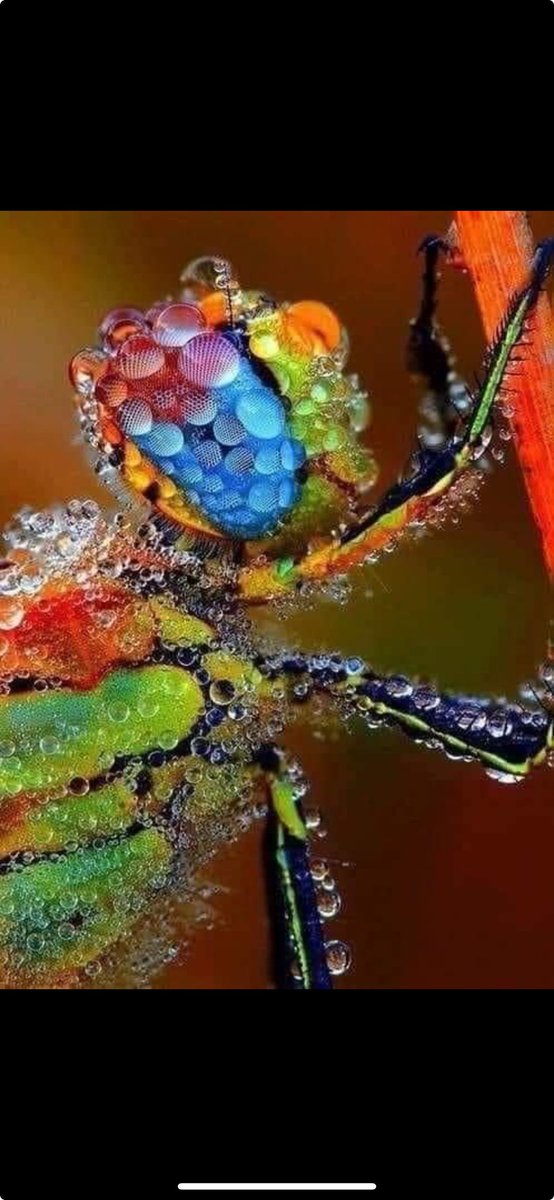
(497, 249)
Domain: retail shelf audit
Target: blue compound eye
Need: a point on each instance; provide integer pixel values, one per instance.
(220, 432)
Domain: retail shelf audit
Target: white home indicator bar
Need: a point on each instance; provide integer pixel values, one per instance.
(277, 1187)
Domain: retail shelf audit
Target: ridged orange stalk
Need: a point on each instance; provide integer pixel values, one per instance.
(497, 249)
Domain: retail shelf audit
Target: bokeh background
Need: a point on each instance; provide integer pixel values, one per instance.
(447, 877)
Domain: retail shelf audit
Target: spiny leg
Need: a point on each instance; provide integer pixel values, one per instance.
(507, 739)
(300, 956)
(430, 472)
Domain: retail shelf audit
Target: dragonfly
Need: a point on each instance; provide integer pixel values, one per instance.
(141, 712)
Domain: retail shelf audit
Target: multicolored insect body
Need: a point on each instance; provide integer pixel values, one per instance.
(138, 711)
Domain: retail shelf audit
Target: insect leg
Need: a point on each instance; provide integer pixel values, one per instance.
(300, 960)
(507, 739)
(429, 357)
(430, 472)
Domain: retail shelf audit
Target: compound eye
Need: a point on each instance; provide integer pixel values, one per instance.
(198, 423)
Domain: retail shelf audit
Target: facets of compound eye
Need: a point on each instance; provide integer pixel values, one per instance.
(213, 484)
(111, 390)
(239, 461)
(287, 493)
(292, 454)
(139, 357)
(209, 360)
(134, 418)
(229, 500)
(165, 405)
(164, 440)
(199, 408)
(267, 460)
(177, 324)
(261, 415)
(208, 454)
(187, 466)
(263, 497)
(228, 430)
(86, 368)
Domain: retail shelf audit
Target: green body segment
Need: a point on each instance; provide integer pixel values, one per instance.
(57, 916)
(48, 739)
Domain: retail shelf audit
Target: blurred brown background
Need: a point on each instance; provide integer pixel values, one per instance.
(447, 878)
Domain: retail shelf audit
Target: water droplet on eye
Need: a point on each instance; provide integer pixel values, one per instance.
(338, 956)
(7, 748)
(209, 360)
(139, 357)
(86, 368)
(11, 614)
(175, 325)
(147, 706)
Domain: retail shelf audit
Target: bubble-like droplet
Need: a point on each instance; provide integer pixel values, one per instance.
(135, 418)
(263, 497)
(86, 368)
(111, 391)
(328, 905)
(338, 956)
(79, 786)
(177, 324)
(239, 461)
(118, 711)
(120, 324)
(261, 415)
(205, 274)
(49, 745)
(228, 430)
(199, 407)
(164, 440)
(210, 360)
(11, 613)
(140, 357)
(222, 691)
